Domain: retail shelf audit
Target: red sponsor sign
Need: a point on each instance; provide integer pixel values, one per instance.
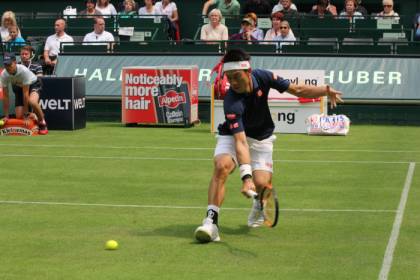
(159, 95)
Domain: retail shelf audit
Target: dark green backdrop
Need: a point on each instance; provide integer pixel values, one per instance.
(190, 10)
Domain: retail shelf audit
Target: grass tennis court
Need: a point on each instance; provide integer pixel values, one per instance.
(63, 195)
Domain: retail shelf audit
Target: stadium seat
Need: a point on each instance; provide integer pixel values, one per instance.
(255, 48)
(38, 22)
(411, 49)
(324, 49)
(141, 24)
(80, 26)
(323, 41)
(79, 48)
(364, 49)
(327, 23)
(233, 22)
(196, 48)
(338, 33)
(165, 47)
(358, 41)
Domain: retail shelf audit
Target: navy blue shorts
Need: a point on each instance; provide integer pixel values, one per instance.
(19, 92)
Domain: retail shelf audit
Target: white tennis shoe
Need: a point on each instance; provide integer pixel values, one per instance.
(256, 216)
(208, 232)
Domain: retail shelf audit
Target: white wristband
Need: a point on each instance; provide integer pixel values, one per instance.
(245, 169)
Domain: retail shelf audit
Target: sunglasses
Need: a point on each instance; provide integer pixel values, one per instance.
(284, 27)
(387, 6)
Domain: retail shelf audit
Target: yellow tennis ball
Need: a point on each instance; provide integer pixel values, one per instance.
(111, 245)
(1, 122)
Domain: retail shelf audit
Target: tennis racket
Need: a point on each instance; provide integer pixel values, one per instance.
(269, 205)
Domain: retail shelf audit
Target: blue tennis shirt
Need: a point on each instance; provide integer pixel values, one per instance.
(250, 112)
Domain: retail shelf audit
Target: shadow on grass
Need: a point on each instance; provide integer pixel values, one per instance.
(186, 231)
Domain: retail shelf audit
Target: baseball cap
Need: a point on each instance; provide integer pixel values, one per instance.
(8, 58)
(248, 20)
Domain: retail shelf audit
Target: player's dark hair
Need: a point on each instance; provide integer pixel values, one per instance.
(236, 55)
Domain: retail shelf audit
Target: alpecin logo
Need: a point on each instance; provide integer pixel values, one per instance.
(172, 99)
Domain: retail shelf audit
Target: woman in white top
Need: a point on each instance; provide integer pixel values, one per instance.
(350, 10)
(167, 7)
(388, 10)
(279, 7)
(148, 9)
(214, 30)
(106, 8)
(8, 19)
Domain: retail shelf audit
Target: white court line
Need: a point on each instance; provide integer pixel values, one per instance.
(393, 239)
(185, 207)
(192, 159)
(194, 148)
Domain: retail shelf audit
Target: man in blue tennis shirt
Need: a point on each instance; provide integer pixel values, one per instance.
(246, 137)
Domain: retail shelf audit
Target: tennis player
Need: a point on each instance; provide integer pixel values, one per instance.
(26, 87)
(246, 137)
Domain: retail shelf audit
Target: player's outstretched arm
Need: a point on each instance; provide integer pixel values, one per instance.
(306, 91)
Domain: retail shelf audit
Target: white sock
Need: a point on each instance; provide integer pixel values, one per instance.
(213, 207)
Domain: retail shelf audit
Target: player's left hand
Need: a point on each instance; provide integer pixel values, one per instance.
(334, 96)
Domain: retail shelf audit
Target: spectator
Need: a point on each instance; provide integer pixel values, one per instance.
(286, 36)
(272, 33)
(26, 56)
(168, 8)
(279, 7)
(256, 32)
(361, 9)
(8, 18)
(148, 9)
(52, 45)
(246, 34)
(417, 26)
(259, 7)
(90, 10)
(106, 8)
(388, 9)
(276, 21)
(14, 39)
(214, 30)
(286, 8)
(321, 9)
(350, 10)
(227, 7)
(99, 36)
(129, 9)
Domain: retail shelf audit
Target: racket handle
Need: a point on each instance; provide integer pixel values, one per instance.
(251, 193)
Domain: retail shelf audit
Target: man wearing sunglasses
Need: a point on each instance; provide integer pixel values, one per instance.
(388, 9)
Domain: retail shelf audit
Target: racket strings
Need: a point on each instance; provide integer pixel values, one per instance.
(270, 207)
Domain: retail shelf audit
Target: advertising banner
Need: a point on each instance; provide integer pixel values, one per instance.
(63, 102)
(288, 112)
(392, 78)
(159, 95)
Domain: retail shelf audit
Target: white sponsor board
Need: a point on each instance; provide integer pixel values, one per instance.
(287, 111)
